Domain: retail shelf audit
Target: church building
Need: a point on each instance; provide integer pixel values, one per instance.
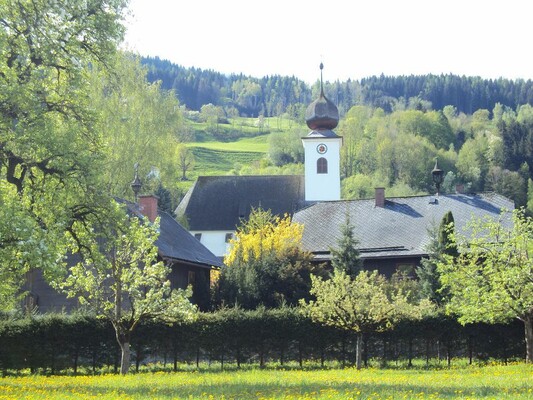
(393, 233)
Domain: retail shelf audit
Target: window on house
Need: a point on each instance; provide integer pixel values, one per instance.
(198, 236)
(229, 236)
(322, 166)
(191, 278)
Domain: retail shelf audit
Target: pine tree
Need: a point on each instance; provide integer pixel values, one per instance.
(439, 244)
(346, 257)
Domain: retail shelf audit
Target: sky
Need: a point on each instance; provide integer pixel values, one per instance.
(353, 38)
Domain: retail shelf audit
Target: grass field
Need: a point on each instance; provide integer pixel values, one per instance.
(257, 144)
(488, 382)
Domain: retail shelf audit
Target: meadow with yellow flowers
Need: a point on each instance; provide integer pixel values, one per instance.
(473, 382)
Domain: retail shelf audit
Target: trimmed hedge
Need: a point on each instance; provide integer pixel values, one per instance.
(55, 343)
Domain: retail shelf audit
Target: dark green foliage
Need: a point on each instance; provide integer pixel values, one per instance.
(346, 256)
(165, 200)
(58, 343)
(440, 243)
(446, 228)
(269, 281)
(517, 143)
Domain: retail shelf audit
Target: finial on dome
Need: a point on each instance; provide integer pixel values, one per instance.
(322, 114)
(321, 84)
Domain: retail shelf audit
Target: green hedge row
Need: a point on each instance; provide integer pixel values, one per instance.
(55, 343)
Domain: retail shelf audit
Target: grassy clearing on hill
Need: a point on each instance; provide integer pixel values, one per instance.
(257, 144)
(487, 382)
(220, 162)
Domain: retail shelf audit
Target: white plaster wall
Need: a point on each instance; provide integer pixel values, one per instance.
(320, 187)
(215, 241)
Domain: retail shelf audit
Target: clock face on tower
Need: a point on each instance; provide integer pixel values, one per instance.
(321, 148)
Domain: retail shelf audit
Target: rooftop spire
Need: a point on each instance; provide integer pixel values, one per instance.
(136, 184)
(321, 83)
(437, 174)
(322, 114)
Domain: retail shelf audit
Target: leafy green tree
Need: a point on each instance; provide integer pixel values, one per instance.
(530, 197)
(285, 148)
(352, 129)
(509, 184)
(142, 124)
(362, 305)
(266, 264)
(357, 186)
(247, 95)
(492, 278)
(120, 280)
(346, 256)
(50, 152)
(185, 160)
(472, 162)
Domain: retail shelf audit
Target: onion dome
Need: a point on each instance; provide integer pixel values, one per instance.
(322, 114)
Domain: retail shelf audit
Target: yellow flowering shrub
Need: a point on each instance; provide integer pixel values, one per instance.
(264, 235)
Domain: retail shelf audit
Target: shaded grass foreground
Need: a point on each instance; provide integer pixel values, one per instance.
(488, 382)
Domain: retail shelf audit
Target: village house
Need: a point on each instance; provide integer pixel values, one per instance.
(392, 232)
(191, 262)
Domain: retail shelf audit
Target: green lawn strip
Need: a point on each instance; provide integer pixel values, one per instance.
(258, 144)
(489, 382)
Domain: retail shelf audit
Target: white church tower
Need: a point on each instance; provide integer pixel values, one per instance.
(322, 149)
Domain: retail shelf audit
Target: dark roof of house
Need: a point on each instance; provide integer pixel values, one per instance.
(399, 229)
(177, 244)
(220, 202)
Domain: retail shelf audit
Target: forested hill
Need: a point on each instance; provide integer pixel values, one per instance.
(274, 95)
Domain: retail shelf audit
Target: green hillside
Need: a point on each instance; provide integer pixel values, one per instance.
(220, 148)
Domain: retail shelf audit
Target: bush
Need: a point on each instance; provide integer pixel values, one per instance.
(67, 343)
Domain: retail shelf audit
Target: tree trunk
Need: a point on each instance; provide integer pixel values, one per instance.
(125, 361)
(528, 324)
(427, 352)
(365, 350)
(359, 351)
(470, 349)
(410, 352)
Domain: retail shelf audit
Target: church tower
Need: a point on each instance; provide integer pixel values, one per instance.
(322, 149)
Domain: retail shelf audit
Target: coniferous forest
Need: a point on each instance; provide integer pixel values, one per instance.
(273, 95)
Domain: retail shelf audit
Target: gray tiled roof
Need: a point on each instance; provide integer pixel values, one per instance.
(400, 229)
(219, 202)
(176, 243)
(321, 133)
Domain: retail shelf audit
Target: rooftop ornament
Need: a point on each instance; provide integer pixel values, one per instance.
(438, 176)
(136, 184)
(322, 114)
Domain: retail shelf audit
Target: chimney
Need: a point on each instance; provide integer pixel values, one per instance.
(148, 206)
(380, 197)
(459, 188)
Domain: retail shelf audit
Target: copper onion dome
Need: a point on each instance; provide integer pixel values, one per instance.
(322, 113)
